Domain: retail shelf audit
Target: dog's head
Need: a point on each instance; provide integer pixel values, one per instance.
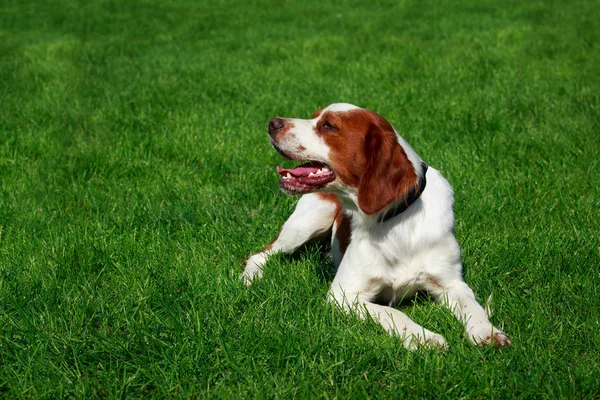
(351, 151)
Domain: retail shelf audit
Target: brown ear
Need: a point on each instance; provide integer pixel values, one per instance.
(389, 176)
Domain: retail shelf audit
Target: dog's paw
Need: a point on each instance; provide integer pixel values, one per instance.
(250, 274)
(492, 336)
(425, 340)
(254, 268)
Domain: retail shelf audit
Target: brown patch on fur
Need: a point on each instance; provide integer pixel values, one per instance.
(300, 148)
(434, 281)
(331, 197)
(343, 232)
(346, 143)
(389, 174)
(317, 113)
(343, 229)
(365, 153)
(371, 283)
(498, 340)
(270, 245)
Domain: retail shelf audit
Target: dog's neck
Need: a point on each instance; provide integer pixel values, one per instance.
(349, 201)
(408, 200)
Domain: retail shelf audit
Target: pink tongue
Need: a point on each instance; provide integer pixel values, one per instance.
(302, 170)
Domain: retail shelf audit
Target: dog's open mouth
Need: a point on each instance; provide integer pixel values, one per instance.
(305, 178)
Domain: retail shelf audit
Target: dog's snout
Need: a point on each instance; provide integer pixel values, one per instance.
(276, 125)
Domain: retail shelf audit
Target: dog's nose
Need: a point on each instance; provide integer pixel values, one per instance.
(276, 125)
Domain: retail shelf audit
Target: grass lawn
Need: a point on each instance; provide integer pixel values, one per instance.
(136, 177)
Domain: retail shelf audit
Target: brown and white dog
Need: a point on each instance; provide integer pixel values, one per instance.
(390, 218)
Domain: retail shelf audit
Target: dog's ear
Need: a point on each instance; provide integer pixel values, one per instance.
(389, 176)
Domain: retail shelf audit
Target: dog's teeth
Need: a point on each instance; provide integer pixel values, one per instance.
(325, 169)
(289, 176)
(319, 172)
(311, 174)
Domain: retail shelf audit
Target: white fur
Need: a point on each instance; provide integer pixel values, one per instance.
(340, 107)
(390, 261)
(302, 134)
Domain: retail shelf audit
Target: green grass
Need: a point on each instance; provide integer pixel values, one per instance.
(136, 177)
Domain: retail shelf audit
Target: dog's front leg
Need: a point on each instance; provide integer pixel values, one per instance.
(313, 216)
(458, 296)
(395, 322)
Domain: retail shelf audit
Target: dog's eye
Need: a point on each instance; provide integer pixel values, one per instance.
(328, 126)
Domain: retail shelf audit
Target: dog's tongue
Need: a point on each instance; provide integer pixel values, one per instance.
(301, 170)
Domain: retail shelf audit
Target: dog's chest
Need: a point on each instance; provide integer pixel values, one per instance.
(393, 268)
(395, 284)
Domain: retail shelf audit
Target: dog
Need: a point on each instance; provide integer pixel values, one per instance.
(390, 218)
